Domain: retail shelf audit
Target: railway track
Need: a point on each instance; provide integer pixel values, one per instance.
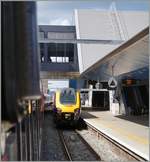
(76, 145)
(76, 148)
(65, 147)
(115, 146)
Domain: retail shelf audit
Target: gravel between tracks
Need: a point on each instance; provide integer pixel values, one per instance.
(79, 151)
(51, 146)
(101, 147)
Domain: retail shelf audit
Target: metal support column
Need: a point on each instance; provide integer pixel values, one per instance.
(37, 129)
(45, 52)
(19, 141)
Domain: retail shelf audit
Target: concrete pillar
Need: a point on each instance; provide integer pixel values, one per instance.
(45, 53)
(111, 93)
(44, 85)
(114, 107)
(90, 95)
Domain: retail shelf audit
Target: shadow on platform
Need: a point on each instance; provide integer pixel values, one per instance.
(142, 120)
(86, 115)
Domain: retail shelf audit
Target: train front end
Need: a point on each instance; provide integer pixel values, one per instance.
(67, 106)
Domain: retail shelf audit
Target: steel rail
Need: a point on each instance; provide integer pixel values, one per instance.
(127, 151)
(89, 147)
(66, 150)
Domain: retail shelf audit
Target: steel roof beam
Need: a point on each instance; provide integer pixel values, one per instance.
(94, 90)
(80, 41)
(117, 51)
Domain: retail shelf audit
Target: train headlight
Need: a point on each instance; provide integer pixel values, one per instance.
(59, 110)
(76, 114)
(77, 111)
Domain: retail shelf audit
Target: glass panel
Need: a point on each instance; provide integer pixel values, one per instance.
(55, 35)
(41, 35)
(51, 35)
(59, 59)
(52, 49)
(41, 46)
(63, 59)
(42, 56)
(67, 97)
(58, 52)
(70, 51)
(67, 59)
(53, 59)
(60, 49)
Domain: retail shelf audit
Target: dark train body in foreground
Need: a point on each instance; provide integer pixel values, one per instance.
(67, 106)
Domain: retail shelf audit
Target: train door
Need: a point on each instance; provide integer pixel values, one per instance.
(100, 100)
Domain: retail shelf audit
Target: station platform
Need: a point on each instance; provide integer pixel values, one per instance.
(131, 132)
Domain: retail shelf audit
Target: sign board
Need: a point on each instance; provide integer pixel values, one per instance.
(112, 83)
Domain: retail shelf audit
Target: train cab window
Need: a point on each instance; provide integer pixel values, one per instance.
(68, 97)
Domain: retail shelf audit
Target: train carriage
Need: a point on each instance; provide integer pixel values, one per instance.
(67, 106)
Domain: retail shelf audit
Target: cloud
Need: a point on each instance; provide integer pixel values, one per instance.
(60, 21)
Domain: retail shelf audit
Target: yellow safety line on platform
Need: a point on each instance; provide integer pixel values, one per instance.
(124, 133)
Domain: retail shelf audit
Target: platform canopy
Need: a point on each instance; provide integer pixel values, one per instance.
(132, 56)
(111, 24)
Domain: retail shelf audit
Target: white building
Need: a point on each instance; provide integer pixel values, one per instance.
(105, 25)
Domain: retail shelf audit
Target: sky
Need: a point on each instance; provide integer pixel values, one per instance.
(61, 12)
